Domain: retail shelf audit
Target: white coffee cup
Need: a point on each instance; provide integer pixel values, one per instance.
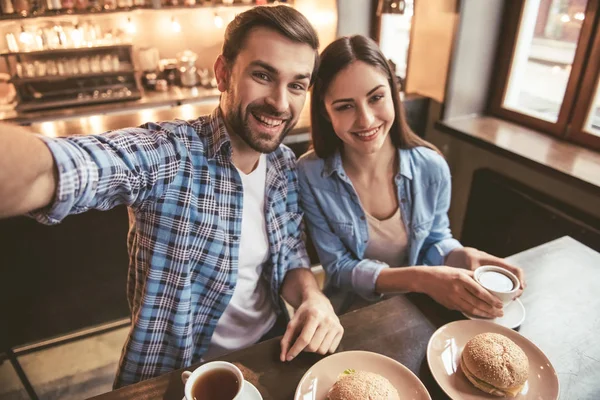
(190, 378)
(498, 281)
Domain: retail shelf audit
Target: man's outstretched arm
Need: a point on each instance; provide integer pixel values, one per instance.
(27, 171)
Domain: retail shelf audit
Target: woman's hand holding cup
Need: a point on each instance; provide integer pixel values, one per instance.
(471, 259)
(456, 289)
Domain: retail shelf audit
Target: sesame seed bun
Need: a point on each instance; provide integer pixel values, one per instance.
(495, 364)
(361, 385)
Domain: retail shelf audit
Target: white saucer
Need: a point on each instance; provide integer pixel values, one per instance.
(514, 315)
(250, 392)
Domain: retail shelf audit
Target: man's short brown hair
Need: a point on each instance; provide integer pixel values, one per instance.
(284, 20)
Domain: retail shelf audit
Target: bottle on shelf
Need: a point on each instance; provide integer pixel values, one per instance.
(53, 5)
(68, 5)
(81, 5)
(22, 7)
(7, 7)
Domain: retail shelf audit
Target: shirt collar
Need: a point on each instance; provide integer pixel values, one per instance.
(217, 136)
(333, 163)
(406, 165)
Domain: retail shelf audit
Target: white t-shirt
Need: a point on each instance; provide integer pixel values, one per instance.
(250, 313)
(388, 240)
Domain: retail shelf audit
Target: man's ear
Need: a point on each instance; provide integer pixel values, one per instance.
(222, 73)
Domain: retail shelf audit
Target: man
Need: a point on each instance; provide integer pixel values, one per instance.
(215, 234)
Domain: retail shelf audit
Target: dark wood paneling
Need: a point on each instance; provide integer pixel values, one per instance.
(58, 279)
(505, 217)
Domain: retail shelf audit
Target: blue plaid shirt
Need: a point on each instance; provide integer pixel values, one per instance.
(185, 205)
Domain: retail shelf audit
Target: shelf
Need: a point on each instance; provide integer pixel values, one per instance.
(73, 50)
(61, 13)
(45, 104)
(54, 78)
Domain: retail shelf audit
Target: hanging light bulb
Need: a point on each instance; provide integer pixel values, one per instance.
(565, 18)
(579, 16)
(218, 21)
(175, 25)
(130, 26)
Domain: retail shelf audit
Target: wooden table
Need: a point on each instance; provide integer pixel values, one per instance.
(562, 302)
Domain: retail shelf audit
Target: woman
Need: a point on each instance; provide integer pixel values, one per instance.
(376, 196)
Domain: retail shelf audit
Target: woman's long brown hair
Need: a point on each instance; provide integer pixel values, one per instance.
(337, 56)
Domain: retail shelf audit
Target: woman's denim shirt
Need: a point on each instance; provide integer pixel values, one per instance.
(338, 226)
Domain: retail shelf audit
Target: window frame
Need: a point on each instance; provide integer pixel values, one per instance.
(585, 100)
(579, 75)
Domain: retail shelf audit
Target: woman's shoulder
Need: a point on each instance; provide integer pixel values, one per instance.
(430, 162)
(310, 164)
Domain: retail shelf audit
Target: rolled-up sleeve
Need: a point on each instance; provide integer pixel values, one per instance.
(99, 172)
(436, 255)
(364, 276)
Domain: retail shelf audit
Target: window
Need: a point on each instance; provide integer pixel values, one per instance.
(548, 68)
(393, 23)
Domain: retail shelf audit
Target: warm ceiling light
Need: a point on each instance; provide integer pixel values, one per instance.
(175, 25)
(218, 21)
(130, 26)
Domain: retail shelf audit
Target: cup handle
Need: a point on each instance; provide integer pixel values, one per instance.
(185, 376)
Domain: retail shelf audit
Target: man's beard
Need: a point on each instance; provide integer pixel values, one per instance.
(263, 143)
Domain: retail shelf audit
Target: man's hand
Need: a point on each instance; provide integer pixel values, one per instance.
(315, 328)
(471, 258)
(456, 289)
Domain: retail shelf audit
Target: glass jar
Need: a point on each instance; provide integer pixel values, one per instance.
(22, 7)
(81, 4)
(68, 4)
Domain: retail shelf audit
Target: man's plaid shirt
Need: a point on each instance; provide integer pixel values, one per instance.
(185, 205)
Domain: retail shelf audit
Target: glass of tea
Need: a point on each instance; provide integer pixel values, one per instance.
(215, 380)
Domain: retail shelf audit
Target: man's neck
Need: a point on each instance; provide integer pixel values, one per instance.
(243, 156)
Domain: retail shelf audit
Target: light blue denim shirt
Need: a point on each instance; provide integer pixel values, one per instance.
(337, 224)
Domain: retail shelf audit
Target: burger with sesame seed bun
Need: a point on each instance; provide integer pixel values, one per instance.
(362, 385)
(495, 364)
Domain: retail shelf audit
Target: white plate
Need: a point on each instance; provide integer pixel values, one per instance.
(317, 381)
(514, 315)
(445, 348)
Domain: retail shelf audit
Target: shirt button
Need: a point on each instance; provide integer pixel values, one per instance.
(362, 217)
(403, 200)
(240, 188)
(366, 241)
(235, 238)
